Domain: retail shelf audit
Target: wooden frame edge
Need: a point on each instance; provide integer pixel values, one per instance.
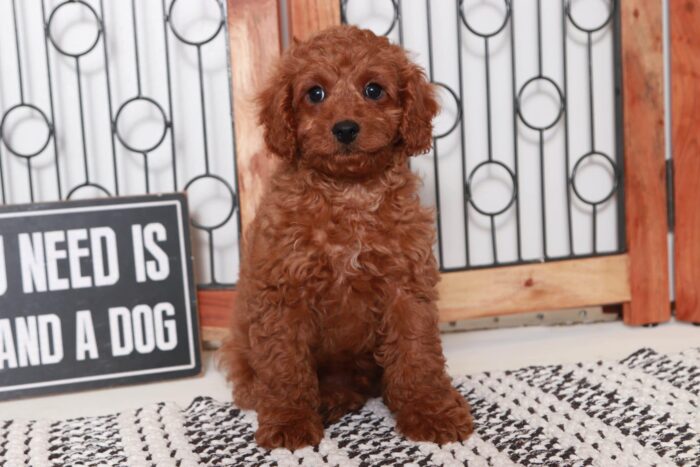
(644, 162)
(685, 68)
(489, 292)
(307, 17)
(254, 45)
(534, 287)
(215, 309)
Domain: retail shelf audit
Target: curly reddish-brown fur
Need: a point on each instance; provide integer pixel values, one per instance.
(336, 297)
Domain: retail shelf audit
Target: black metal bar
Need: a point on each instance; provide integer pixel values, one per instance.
(552, 259)
(146, 172)
(594, 228)
(82, 120)
(173, 146)
(31, 181)
(399, 20)
(494, 249)
(462, 144)
(56, 160)
(567, 156)
(436, 169)
(139, 88)
(515, 132)
(204, 109)
(19, 53)
(21, 92)
(619, 129)
(136, 48)
(543, 201)
(212, 268)
(591, 108)
(487, 66)
(670, 195)
(110, 107)
(489, 136)
(539, 38)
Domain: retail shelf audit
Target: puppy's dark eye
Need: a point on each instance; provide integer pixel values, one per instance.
(374, 91)
(316, 94)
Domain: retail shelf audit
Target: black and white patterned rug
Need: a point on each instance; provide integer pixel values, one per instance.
(641, 411)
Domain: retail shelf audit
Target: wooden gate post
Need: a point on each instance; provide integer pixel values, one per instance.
(685, 78)
(645, 170)
(254, 44)
(309, 16)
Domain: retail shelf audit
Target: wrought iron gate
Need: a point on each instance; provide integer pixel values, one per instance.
(106, 98)
(538, 158)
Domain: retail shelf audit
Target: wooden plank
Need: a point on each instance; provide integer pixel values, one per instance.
(215, 309)
(215, 306)
(255, 45)
(685, 69)
(534, 287)
(489, 292)
(645, 188)
(307, 17)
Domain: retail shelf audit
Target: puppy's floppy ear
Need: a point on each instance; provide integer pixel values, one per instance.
(419, 108)
(277, 117)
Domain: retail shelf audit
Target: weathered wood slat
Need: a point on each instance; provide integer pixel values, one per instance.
(644, 184)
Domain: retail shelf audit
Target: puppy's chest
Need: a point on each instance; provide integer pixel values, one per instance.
(355, 244)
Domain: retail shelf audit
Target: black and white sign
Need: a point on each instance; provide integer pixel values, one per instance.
(96, 293)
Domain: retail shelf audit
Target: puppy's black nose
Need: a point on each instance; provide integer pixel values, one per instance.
(346, 131)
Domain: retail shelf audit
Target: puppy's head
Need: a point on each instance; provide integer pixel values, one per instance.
(347, 103)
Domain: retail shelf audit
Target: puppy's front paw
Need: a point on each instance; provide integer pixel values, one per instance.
(304, 429)
(439, 422)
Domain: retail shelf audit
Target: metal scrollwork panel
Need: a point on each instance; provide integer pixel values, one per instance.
(104, 98)
(526, 162)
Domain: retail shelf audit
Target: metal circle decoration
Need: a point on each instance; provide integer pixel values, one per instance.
(559, 95)
(229, 191)
(458, 105)
(485, 35)
(470, 188)
(161, 115)
(83, 186)
(392, 25)
(180, 35)
(575, 173)
(590, 29)
(89, 44)
(6, 140)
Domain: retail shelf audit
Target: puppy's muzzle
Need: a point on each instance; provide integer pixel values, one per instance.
(346, 131)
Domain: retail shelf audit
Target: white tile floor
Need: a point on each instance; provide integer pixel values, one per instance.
(468, 352)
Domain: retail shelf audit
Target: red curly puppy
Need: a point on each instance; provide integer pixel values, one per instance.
(336, 298)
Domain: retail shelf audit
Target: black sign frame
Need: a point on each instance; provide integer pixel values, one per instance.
(179, 289)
